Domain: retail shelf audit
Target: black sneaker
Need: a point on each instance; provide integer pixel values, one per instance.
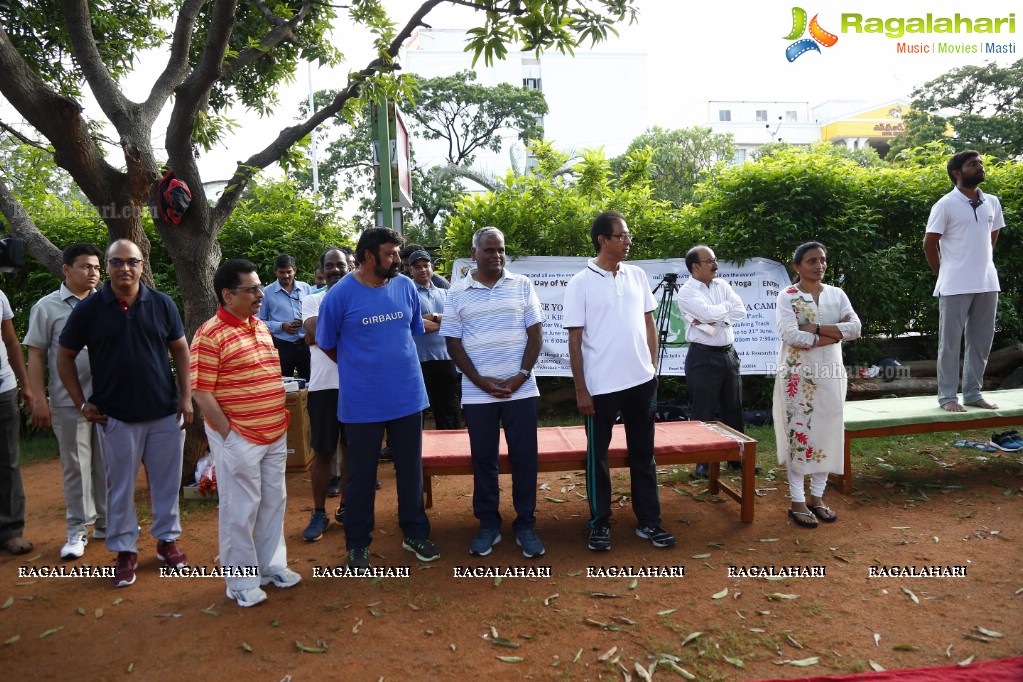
(358, 559)
(600, 538)
(1004, 442)
(339, 513)
(656, 535)
(422, 548)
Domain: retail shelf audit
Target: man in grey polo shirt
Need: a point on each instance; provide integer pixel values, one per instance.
(85, 489)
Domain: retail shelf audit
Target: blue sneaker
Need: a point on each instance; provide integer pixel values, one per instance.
(318, 523)
(530, 543)
(1014, 434)
(485, 541)
(1005, 442)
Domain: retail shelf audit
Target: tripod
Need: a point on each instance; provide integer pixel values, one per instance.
(668, 286)
(667, 411)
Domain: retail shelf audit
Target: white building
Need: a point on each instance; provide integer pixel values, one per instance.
(756, 123)
(595, 99)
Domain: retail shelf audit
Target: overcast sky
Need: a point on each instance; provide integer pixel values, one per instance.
(695, 52)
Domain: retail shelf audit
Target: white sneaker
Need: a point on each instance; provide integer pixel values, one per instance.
(286, 578)
(75, 547)
(249, 597)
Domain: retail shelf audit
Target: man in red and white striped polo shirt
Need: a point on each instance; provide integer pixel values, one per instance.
(236, 381)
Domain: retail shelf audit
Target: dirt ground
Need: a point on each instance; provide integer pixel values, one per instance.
(569, 626)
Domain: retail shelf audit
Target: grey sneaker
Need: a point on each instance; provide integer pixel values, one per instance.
(600, 538)
(246, 598)
(485, 541)
(422, 548)
(656, 535)
(286, 578)
(530, 543)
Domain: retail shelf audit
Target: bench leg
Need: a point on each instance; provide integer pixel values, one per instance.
(749, 484)
(844, 482)
(713, 472)
(428, 489)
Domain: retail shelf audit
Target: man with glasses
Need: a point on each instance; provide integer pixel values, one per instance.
(710, 307)
(140, 411)
(235, 383)
(85, 488)
(612, 348)
(282, 313)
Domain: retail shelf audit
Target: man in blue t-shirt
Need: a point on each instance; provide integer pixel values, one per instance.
(365, 324)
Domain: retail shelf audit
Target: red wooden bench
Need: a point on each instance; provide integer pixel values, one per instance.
(563, 448)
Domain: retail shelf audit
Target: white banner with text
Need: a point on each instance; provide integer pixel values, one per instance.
(757, 281)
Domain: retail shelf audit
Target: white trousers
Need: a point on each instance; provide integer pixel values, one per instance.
(797, 483)
(250, 485)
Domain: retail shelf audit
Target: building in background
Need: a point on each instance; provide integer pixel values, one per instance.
(595, 99)
(856, 124)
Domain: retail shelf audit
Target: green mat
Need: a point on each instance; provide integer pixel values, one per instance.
(875, 414)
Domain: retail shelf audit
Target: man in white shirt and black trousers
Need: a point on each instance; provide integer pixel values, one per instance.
(710, 307)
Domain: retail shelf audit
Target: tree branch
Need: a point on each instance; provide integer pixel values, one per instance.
(39, 247)
(59, 119)
(113, 103)
(26, 140)
(289, 136)
(283, 30)
(177, 64)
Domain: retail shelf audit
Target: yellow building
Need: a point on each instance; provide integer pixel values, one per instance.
(874, 127)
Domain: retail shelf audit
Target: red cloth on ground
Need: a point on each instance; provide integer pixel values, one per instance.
(998, 670)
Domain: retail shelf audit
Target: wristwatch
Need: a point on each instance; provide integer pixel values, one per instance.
(525, 372)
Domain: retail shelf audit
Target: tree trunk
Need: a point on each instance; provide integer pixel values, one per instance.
(999, 362)
(866, 389)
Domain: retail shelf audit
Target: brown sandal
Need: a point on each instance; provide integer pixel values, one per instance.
(795, 516)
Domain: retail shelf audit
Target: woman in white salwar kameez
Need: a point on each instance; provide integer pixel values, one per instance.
(813, 319)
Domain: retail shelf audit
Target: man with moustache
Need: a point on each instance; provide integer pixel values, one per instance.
(612, 348)
(366, 324)
(327, 433)
(959, 246)
(81, 462)
(710, 307)
(140, 412)
(236, 383)
(493, 325)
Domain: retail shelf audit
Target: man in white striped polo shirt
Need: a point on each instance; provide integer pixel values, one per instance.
(492, 323)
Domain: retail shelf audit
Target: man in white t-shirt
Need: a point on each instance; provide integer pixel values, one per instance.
(326, 432)
(612, 347)
(959, 244)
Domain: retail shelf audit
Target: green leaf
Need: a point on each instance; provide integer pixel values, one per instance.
(802, 663)
(737, 662)
(720, 595)
(12, 639)
(51, 631)
(692, 636)
(501, 641)
(310, 649)
(511, 659)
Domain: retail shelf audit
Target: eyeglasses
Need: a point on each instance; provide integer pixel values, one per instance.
(254, 289)
(118, 263)
(709, 260)
(624, 237)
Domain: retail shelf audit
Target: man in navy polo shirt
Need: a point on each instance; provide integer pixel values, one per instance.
(139, 412)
